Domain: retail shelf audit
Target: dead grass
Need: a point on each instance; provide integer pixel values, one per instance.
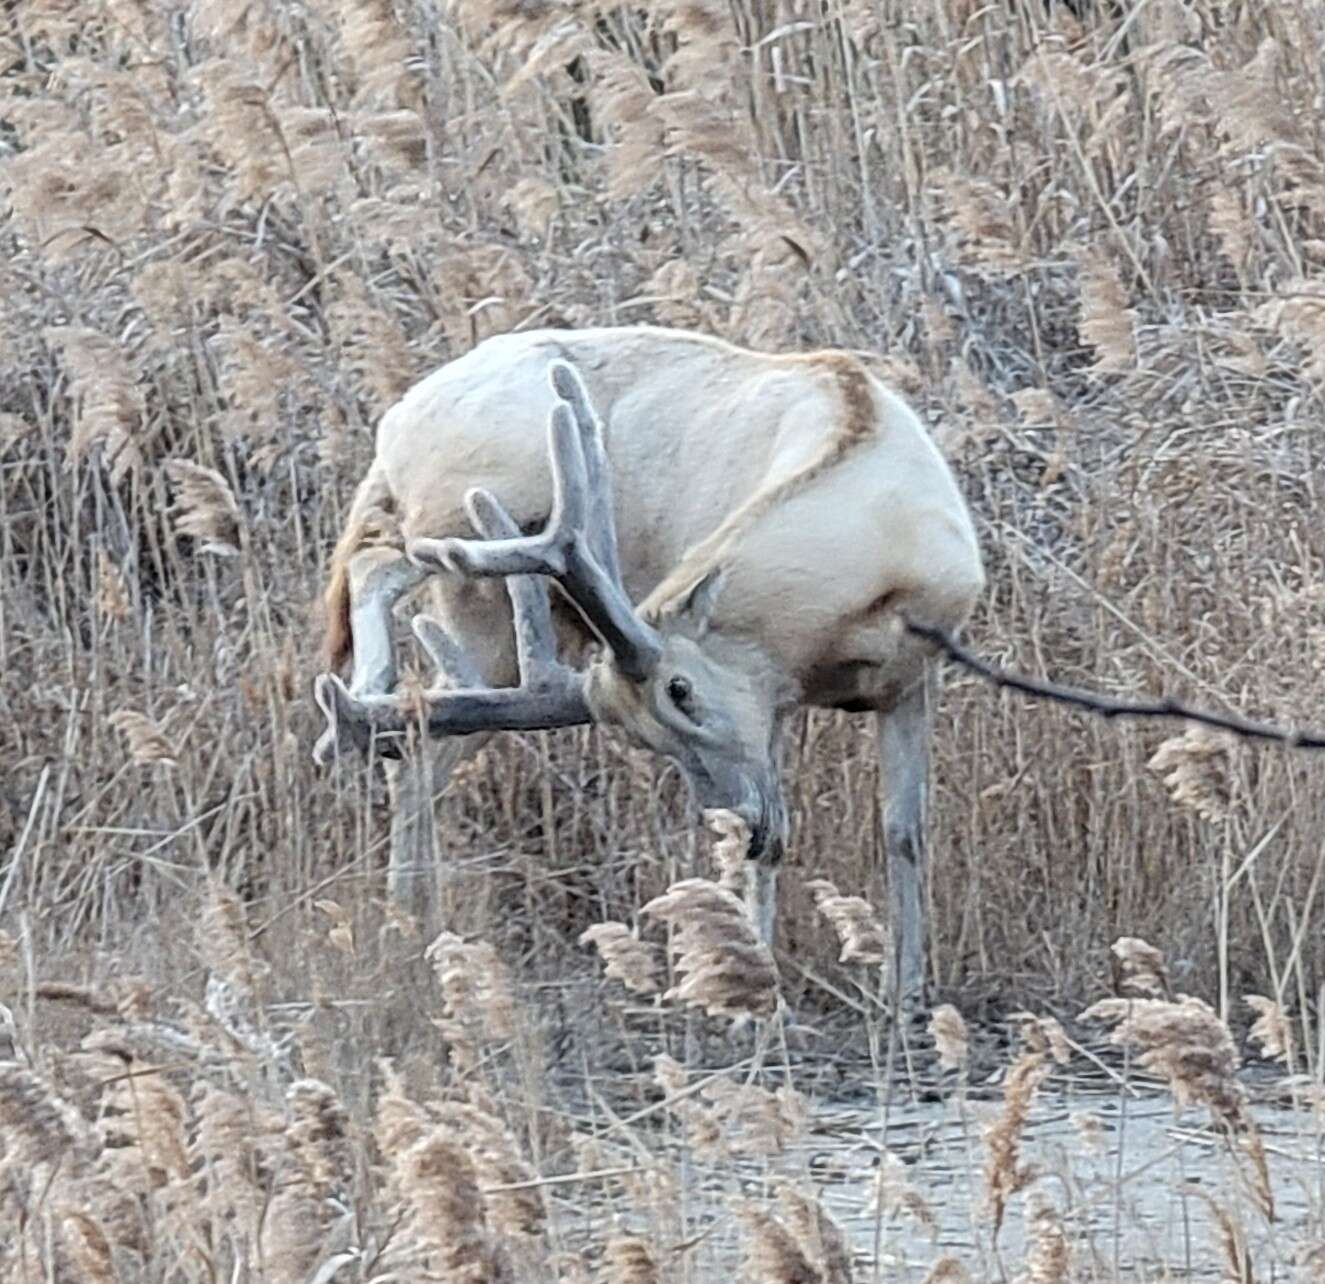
(1092, 252)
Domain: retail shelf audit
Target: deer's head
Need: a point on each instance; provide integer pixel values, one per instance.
(712, 704)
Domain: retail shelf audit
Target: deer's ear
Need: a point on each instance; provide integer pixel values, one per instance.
(694, 608)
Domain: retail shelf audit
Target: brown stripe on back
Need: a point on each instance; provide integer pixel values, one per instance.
(853, 386)
(858, 424)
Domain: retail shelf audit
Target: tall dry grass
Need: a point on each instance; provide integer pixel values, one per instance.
(1090, 249)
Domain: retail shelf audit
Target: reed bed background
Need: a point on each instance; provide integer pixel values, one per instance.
(1089, 246)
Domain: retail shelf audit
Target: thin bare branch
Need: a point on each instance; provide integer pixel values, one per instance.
(1108, 706)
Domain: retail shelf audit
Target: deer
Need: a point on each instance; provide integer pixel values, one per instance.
(731, 534)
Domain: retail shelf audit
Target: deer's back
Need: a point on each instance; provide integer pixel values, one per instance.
(694, 426)
(844, 499)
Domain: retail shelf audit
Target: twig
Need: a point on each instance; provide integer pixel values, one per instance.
(1109, 707)
(562, 1179)
(16, 860)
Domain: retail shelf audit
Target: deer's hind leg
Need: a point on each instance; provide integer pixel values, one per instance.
(467, 632)
(378, 578)
(477, 621)
(904, 784)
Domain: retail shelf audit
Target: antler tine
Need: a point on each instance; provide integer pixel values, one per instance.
(568, 385)
(577, 548)
(550, 694)
(361, 719)
(588, 534)
(343, 725)
(535, 638)
(450, 659)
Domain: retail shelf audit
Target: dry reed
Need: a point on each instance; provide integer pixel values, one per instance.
(1186, 1043)
(948, 1031)
(1005, 1171)
(283, 265)
(858, 926)
(723, 966)
(625, 957)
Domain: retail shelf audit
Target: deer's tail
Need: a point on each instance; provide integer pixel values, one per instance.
(371, 522)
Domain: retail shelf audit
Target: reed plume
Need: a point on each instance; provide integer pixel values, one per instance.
(625, 957)
(1272, 1030)
(1197, 769)
(1049, 1259)
(895, 1193)
(630, 1260)
(1139, 970)
(857, 924)
(477, 987)
(1186, 1044)
(1107, 323)
(205, 509)
(948, 1031)
(1005, 1172)
(148, 745)
(446, 1229)
(724, 968)
(947, 1270)
(800, 1244)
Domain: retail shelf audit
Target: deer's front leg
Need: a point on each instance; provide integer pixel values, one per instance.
(904, 763)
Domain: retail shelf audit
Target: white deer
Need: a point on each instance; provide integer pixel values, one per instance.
(778, 518)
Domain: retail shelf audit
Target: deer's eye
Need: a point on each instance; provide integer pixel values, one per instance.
(678, 691)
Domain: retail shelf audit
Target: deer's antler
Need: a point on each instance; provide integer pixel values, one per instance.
(550, 694)
(577, 548)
